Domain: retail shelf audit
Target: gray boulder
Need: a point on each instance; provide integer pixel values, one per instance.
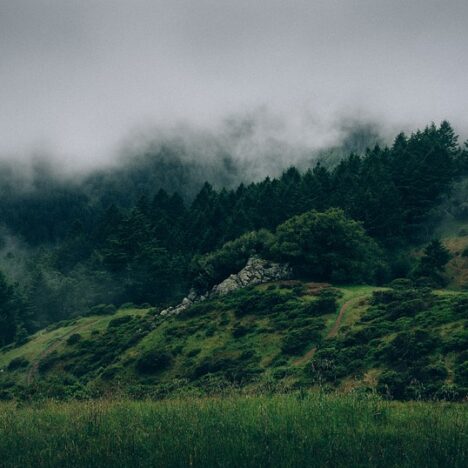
(256, 271)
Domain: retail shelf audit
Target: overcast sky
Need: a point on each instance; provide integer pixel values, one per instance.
(78, 77)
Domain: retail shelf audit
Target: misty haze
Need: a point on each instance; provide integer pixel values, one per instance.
(233, 233)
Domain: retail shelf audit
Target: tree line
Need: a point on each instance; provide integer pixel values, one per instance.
(364, 213)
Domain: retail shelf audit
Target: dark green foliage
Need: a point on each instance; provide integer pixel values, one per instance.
(200, 308)
(403, 335)
(236, 367)
(432, 263)
(295, 342)
(153, 361)
(393, 384)
(212, 268)
(249, 301)
(407, 347)
(324, 304)
(239, 331)
(102, 309)
(17, 363)
(119, 321)
(117, 237)
(46, 363)
(461, 374)
(327, 246)
(73, 339)
(456, 341)
(13, 316)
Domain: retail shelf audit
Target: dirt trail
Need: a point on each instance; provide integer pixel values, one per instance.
(331, 333)
(34, 369)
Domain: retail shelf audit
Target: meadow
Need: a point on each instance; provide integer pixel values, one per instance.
(294, 430)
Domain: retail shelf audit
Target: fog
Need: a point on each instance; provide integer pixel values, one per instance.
(84, 81)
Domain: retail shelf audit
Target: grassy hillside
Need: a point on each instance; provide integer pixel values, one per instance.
(405, 343)
(313, 430)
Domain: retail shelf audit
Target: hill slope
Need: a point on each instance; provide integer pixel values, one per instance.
(406, 343)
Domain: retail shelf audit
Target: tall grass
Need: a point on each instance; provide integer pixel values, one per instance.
(260, 431)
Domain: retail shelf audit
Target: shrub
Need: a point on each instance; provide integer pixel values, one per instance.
(465, 252)
(111, 372)
(457, 341)
(18, 363)
(296, 341)
(48, 361)
(401, 283)
(73, 339)
(239, 331)
(409, 346)
(431, 373)
(210, 330)
(200, 308)
(153, 361)
(460, 306)
(392, 384)
(461, 374)
(253, 302)
(325, 304)
(120, 321)
(193, 352)
(102, 309)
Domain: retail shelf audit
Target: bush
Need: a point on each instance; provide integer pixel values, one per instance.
(153, 361)
(325, 304)
(200, 308)
(73, 339)
(210, 330)
(239, 331)
(460, 306)
(254, 302)
(102, 309)
(432, 373)
(296, 341)
(465, 252)
(194, 352)
(233, 367)
(48, 361)
(406, 347)
(461, 374)
(111, 372)
(18, 363)
(120, 321)
(392, 384)
(401, 283)
(457, 341)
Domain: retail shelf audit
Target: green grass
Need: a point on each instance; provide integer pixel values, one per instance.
(40, 341)
(299, 430)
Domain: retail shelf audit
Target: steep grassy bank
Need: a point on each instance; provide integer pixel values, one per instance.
(298, 430)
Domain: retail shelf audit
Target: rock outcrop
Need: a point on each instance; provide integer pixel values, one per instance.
(256, 271)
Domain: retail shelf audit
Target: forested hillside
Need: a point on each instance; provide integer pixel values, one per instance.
(118, 237)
